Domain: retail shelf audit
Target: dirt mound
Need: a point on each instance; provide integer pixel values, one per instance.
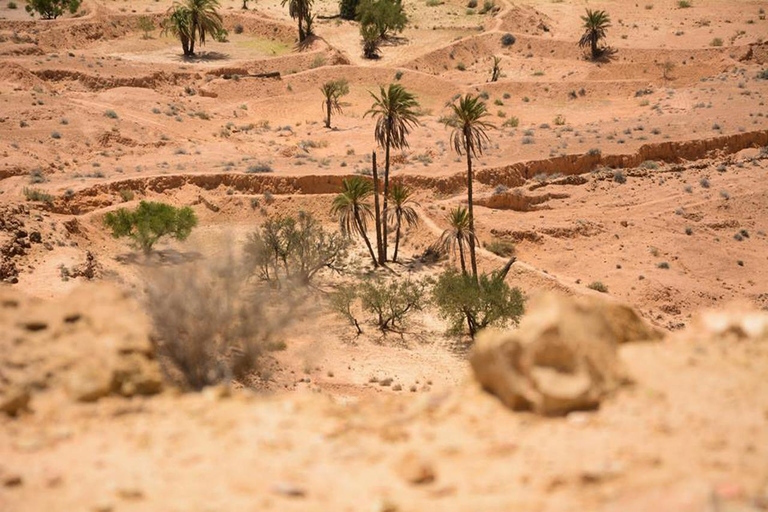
(18, 76)
(522, 18)
(517, 201)
(564, 356)
(77, 345)
(95, 82)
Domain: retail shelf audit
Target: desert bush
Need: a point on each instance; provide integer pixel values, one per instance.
(146, 25)
(598, 287)
(763, 75)
(35, 194)
(704, 182)
(371, 41)
(683, 4)
(462, 301)
(619, 177)
(126, 194)
(52, 9)
(37, 176)
(111, 114)
(391, 301)
(238, 29)
(294, 249)
(150, 222)
(663, 265)
(259, 167)
(503, 248)
(512, 122)
(210, 326)
(508, 39)
(348, 9)
(12, 5)
(716, 42)
(342, 301)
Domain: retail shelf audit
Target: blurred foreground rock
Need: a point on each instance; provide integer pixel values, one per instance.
(91, 344)
(563, 357)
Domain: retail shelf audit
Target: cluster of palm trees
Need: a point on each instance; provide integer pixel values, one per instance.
(192, 20)
(396, 113)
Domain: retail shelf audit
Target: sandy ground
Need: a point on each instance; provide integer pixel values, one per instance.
(652, 185)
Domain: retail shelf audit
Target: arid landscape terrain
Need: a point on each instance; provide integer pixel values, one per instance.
(619, 209)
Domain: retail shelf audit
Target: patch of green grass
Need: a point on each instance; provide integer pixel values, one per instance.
(264, 46)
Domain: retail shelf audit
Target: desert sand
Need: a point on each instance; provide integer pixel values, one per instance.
(650, 182)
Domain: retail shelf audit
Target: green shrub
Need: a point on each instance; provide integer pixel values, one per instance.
(294, 249)
(598, 287)
(111, 114)
(390, 302)
(150, 222)
(348, 9)
(683, 4)
(503, 248)
(12, 5)
(716, 42)
(388, 16)
(52, 9)
(508, 39)
(476, 305)
(34, 194)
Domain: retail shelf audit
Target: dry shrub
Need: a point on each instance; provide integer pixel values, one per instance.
(211, 325)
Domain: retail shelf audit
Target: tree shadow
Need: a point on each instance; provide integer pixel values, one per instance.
(204, 57)
(604, 56)
(394, 41)
(306, 44)
(158, 258)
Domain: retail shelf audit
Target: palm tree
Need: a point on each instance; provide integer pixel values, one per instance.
(192, 21)
(395, 113)
(299, 10)
(353, 210)
(402, 211)
(457, 235)
(332, 91)
(496, 71)
(595, 23)
(469, 137)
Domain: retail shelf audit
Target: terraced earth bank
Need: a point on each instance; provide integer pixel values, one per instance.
(638, 179)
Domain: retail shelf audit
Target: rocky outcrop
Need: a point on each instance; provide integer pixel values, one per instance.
(89, 345)
(563, 357)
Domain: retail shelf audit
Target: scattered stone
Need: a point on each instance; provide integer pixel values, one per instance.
(386, 382)
(14, 400)
(289, 489)
(12, 480)
(415, 469)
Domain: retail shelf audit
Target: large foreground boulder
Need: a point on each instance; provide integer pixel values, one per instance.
(563, 357)
(90, 344)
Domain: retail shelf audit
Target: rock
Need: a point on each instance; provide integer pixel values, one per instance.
(415, 469)
(92, 343)
(12, 480)
(14, 400)
(562, 358)
(385, 382)
(289, 489)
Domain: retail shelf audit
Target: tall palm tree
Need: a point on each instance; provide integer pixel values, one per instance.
(192, 20)
(332, 91)
(299, 10)
(457, 235)
(595, 23)
(469, 137)
(402, 211)
(395, 112)
(353, 210)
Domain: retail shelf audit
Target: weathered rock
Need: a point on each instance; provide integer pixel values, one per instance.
(14, 400)
(78, 344)
(562, 358)
(415, 469)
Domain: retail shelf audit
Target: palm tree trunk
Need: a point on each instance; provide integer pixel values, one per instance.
(379, 246)
(301, 31)
(386, 193)
(461, 257)
(328, 112)
(397, 239)
(365, 237)
(473, 258)
(594, 47)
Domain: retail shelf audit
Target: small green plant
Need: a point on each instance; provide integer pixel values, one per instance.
(126, 194)
(508, 39)
(12, 5)
(683, 4)
(37, 195)
(663, 265)
(716, 42)
(598, 287)
(150, 222)
(146, 25)
(503, 248)
(111, 114)
(511, 122)
(391, 302)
